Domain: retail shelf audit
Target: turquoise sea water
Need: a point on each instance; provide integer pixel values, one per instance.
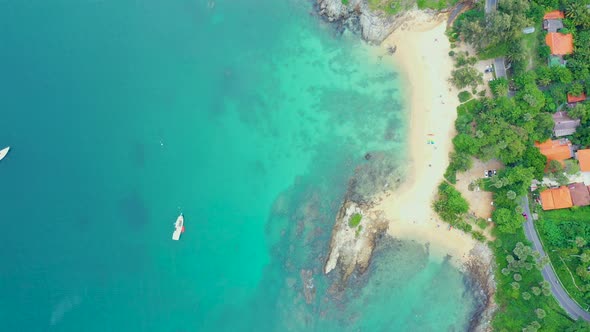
(251, 117)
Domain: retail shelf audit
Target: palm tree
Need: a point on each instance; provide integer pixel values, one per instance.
(578, 14)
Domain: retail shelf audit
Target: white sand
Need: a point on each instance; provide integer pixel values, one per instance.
(422, 56)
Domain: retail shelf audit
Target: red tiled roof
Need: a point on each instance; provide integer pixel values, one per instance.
(558, 198)
(559, 43)
(583, 157)
(555, 150)
(562, 198)
(575, 99)
(547, 200)
(553, 15)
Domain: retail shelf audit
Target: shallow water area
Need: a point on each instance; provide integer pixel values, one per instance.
(122, 114)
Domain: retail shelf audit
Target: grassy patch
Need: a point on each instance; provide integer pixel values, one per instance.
(482, 223)
(345, 2)
(558, 230)
(391, 7)
(493, 51)
(581, 214)
(435, 4)
(355, 220)
(530, 45)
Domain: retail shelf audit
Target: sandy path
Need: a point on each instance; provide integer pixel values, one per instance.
(422, 56)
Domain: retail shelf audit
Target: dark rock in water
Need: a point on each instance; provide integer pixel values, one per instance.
(480, 279)
(368, 156)
(392, 49)
(308, 285)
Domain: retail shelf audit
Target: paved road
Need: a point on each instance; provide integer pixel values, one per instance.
(500, 67)
(491, 5)
(564, 300)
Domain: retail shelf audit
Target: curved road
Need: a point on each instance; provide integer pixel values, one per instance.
(571, 307)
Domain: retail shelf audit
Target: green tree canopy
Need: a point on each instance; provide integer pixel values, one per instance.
(466, 76)
(499, 87)
(507, 220)
(543, 127)
(533, 158)
(582, 136)
(580, 111)
(450, 205)
(576, 89)
(544, 75)
(561, 74)
(466, 143)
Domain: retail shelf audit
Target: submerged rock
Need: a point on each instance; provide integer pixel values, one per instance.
(308, 285)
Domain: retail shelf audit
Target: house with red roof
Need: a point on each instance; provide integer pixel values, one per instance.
(552, 21)
(556, 198)
(559, 43)
(571, 99)
(559, 150)
(554, 15)
(583, 156)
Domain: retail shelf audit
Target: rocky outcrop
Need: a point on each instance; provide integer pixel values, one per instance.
(374, 26)
(480, 278)
(351, 247)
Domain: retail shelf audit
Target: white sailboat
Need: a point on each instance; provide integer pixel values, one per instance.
(178, 228)
(4, 152)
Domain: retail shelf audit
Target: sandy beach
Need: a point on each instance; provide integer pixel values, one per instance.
(422, 56)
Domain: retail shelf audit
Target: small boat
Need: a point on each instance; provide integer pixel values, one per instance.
(178, 228)
(4, 152)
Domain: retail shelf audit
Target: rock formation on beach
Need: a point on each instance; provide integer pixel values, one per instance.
(374, 26)
(479, 270)
(351, 248)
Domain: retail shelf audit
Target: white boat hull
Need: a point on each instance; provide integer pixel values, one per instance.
(4, 152)
(178, 228)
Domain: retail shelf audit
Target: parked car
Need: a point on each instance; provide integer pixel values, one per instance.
(524, 215)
